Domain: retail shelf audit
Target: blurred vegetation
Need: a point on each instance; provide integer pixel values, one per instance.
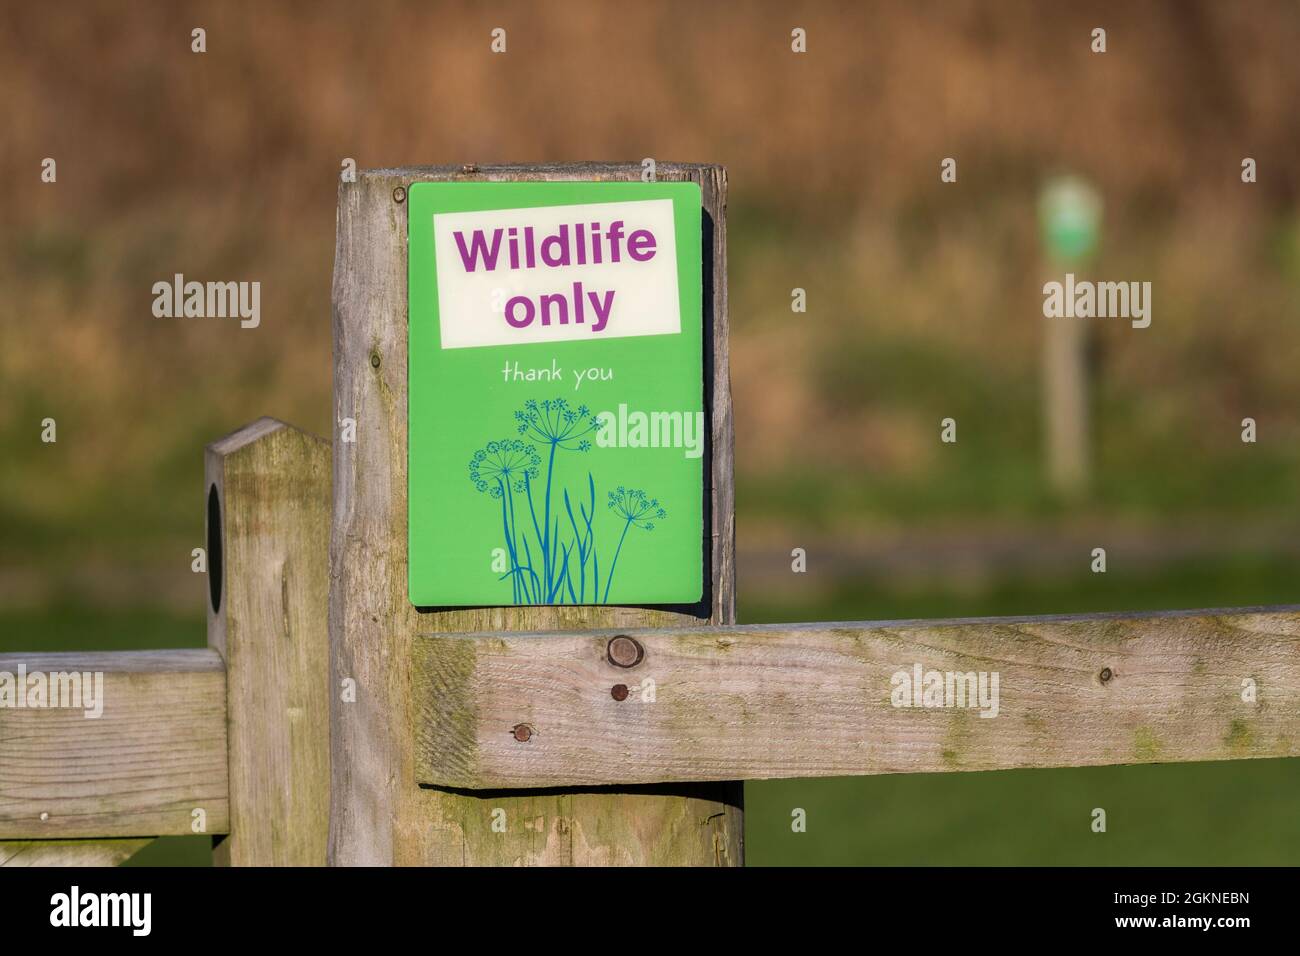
(924, 302)
(924, 298)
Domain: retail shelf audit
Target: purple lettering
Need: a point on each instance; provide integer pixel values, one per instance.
(513, 242)
(560, 239)
(602, 314)
(641, 239)
(577, 302)
(478, 247)
(561, 306)
(614, 234)
(528, 313)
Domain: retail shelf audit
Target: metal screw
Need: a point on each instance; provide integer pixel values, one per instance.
(374, 360)
(522, 732)
(623, 651)
(1106, 675)
(399, 194)
(44, 816)
(618, 692)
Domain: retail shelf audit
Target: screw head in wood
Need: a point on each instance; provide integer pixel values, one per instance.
(374, 360)
(618, 692)
(399, 194)
(522, 732)
(1105, 675)
(623, 651)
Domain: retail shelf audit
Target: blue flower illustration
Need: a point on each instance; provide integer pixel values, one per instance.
(556, 423)
(634, 506)
(501, 468)
(502, 465)
(637, 509)
(548, 563)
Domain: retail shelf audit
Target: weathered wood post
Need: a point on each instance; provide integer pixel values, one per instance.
(379, 813)
(268, 536)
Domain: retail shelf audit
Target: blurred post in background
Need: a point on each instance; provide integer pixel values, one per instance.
(1070, 215)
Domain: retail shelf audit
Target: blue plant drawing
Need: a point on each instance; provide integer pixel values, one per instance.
(555, 564)
(503, 469)
(637, 510)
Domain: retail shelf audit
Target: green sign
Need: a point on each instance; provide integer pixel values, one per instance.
(557, 428)
(1069, 213)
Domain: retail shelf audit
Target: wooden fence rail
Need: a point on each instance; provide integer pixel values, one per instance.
(815, 700)
(157, 754)
(528, 710)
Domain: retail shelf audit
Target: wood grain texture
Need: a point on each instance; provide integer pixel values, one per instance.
(271, 628)
(814, 700)
(157, 753)
(379, 814)
(71, 852)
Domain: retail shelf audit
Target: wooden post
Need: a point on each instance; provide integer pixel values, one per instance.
(379, 814)
(1070, 215)
(268, 540)
(1065, 399)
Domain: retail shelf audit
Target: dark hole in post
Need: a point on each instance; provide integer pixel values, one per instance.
(214, 548)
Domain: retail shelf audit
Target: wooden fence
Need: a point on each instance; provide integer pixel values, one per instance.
(329, 721)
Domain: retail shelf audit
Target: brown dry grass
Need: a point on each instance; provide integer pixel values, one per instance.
(225, 165)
